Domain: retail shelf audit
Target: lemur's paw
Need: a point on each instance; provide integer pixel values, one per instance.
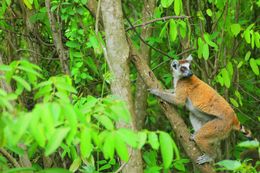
(204, 159)
(192, 137)
(170, 91)
(153, 91)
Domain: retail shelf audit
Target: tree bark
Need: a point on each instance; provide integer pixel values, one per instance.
(56, 34)
(118, 55)
(141, 90)
(177, 123)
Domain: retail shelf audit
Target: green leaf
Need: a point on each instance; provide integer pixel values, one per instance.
(234, 102)
(177, 7)
(54, 170)
(173, 30)
(258, 61)
(21, 81)
(249, 144)
(75, 165)
(28, 4)
(20, 170)
(105, 121)
(121, 148)
(22, 125)
(200, 47)
(30, 70)
(180, 164)
(254, 66)
(109, 146)
(182, 28)
(163, 31)
(65, 86)
(257, 39)
(36, 128)
(230, 69)
(231, 165)
(176, 150)
(235, 29)
(4, 67)
(56, 140)
(153, 140)
(166, 3)
(26, 63)
(225, 76)
(209, 12)
(247, 36)
(209, 42)
(248, 54)
(166, 149)
(72, 44)
(70, 114)
(205, 51)
(128, 136)
(142, 136)
(240, 64)
(86, 146)
(252, 40)
(8, 2)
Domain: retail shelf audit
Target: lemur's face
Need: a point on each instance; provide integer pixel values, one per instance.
(182, 68)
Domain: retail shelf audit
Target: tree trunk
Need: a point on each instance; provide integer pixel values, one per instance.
(118, 55)
(141, 90)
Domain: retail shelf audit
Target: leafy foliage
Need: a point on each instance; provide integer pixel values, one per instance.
(71, 119)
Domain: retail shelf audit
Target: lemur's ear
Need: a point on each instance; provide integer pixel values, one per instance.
(189, 58)
(174, 64)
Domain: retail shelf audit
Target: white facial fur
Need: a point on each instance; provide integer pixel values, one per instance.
(176, 69)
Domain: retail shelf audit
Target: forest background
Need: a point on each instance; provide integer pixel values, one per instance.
(75, 76)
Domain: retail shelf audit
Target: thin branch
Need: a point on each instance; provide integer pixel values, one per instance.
(154, 48)
(252, 120)
(9, 157)
(186, 51)
(124, 164)
(156, 20)
(242, 89)
(56, 34)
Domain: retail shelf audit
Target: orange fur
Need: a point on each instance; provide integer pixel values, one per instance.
(206, 99)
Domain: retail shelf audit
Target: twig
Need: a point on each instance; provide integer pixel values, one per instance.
(154, 48)
(9, 157)
(242, 89)
(156, 20)
(124, 164)
(252, 120)
(189, 50)
(56, 35)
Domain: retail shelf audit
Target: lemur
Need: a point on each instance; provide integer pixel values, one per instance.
(210, 114)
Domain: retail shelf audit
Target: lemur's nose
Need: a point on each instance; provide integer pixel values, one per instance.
(183, 69)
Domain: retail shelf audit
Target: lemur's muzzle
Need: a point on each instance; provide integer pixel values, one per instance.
(189, 74)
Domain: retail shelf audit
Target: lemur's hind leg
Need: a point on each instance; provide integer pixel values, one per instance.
(207, 136)
(196, 124)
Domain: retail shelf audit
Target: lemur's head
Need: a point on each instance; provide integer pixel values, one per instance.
(182, 68)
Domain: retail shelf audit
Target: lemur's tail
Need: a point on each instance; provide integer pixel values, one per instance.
(246, 132)
(237, 126)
